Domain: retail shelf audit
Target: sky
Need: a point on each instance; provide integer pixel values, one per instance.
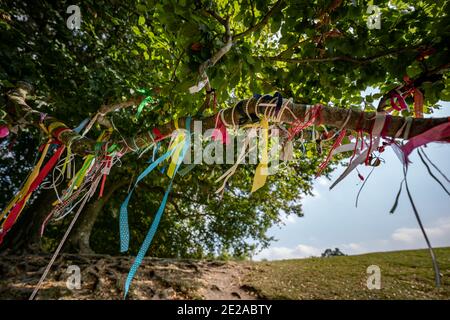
(331, 219)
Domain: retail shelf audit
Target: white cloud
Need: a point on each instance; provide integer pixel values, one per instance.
(404, 239)
(353, 248)
(400, 239)
(438, 233)
(279, 253)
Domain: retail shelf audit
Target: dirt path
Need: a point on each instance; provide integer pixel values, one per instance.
(225, 282)
(102, 277)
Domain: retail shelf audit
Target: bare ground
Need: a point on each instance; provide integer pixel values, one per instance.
(404, 275)
(102, 277)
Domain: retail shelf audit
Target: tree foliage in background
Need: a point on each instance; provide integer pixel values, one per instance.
(313, 51)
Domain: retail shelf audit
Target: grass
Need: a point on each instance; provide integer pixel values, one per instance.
(404, 275)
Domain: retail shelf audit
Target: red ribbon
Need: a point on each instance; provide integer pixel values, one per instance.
(298, 125)
(418, 103)
(336, 143)
(220, 131)
(105, 174)
(401, 102)
(158, 135)
(14, 213)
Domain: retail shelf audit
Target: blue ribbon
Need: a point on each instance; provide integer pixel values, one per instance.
(81, 125)
(123, 218)
(124, 231)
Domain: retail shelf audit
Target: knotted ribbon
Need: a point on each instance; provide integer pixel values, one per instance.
(147, 100)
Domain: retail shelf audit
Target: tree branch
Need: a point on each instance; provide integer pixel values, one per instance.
(357, 60)
(105, 109)
(216, 16)
(331, 116)
(432, 76)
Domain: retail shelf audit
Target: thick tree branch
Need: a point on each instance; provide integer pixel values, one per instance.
(105, 109)
(216, 16)
(331, 116)
(228, 45)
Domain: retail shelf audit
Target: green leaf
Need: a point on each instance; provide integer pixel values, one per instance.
(141, 20)
(142, 46)
(414, 70)
(136, 30)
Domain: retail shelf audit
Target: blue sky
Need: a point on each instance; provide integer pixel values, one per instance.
(331, 219)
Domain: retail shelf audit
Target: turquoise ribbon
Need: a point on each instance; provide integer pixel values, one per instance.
(124, 232)
(123, 218)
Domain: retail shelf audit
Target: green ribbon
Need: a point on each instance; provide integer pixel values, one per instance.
(148, 99)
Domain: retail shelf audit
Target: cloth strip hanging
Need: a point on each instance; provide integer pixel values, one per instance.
(58, 249)
(147, 100)
(436, 134)
(376, 132)
(35, 181)
(336, 143)
(220, 132)
(123, 218)
(183, 145)
(262, 169)
(242, 154)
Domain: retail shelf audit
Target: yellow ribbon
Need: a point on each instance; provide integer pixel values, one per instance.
(76, 181)
(55, 125)
(262, 170)
(19, 196)
(178, 143)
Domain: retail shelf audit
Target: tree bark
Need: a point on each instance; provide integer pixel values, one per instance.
(79, 241)
(25, 236)
(331, 116)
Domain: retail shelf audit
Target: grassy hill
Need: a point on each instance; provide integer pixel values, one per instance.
(404, 275)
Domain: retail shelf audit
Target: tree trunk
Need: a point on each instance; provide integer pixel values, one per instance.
(25, 236)
(79, 241)
(80, 236)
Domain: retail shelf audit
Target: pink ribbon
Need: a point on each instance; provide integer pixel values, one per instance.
(401, 102)
(438, 133)
(4, 131)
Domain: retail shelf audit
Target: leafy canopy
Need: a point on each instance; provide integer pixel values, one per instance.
(313, 51)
